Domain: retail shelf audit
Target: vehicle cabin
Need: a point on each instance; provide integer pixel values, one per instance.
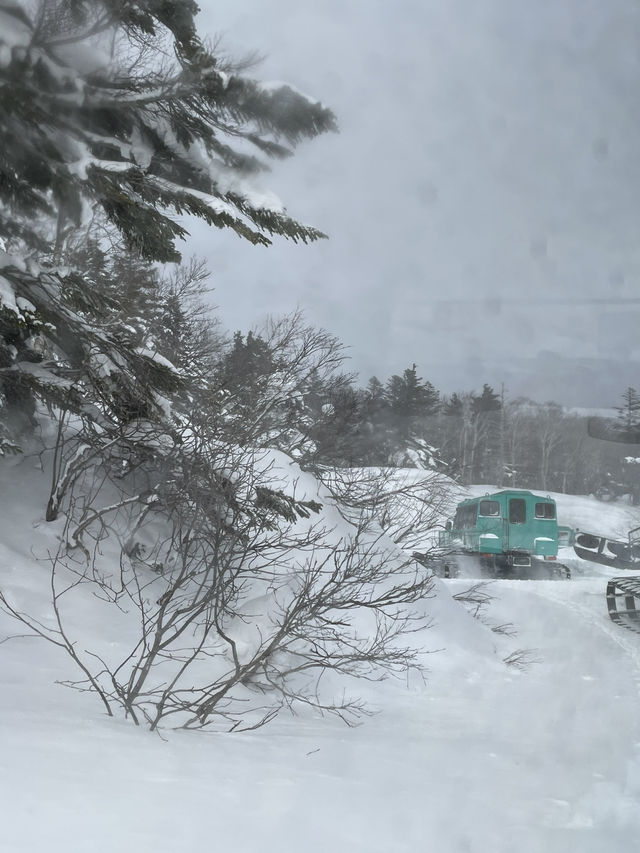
(510, 522)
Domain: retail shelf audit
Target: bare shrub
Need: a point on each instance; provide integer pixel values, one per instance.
(408, 506)
(477, 599)
(522, 659)
(233, 594)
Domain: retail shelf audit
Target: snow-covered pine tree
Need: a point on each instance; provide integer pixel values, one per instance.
(120, 108)
(183, 328)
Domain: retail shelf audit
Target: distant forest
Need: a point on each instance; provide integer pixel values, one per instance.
(285, 386)
(404, 421)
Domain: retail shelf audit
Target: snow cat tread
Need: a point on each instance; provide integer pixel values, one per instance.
(449, 567)
(623, 602)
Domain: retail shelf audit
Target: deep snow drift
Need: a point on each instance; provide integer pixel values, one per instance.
(481, 757)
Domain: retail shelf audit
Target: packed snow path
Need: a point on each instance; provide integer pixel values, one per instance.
(481, 758)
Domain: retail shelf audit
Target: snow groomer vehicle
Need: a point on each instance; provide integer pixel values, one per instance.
(515, 533)
(510, 533)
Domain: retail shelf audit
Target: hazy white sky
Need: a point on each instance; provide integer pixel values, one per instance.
(484, 187)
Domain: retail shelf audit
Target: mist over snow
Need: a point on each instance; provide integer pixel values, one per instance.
(481, 197)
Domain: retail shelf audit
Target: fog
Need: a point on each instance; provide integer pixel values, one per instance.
(481, 198)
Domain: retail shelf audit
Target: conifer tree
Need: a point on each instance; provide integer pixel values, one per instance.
(629, 411)
(375, 391)
(98, 121)
(410, 396)
(376, 441)
(453, 406)
(279, 388)
(338, 427)
(488, 401)
(183, 328)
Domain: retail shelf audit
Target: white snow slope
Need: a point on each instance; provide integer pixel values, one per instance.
(482, 757)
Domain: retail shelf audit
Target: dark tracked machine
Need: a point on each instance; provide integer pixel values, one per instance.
(623, 592)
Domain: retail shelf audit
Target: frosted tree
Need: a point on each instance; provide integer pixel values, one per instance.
(121, 111)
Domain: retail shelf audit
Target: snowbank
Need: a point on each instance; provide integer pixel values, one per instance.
(479, 757)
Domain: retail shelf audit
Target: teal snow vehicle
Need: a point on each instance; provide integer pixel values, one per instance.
(515, 533)
(512, 532)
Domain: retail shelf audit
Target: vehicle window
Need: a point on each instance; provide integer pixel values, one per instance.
(488, 508)
(466, 517)
(545, 510)
(517, 511)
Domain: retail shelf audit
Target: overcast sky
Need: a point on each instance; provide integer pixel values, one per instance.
(482, 198)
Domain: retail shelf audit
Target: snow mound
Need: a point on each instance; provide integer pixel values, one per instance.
(477, 755)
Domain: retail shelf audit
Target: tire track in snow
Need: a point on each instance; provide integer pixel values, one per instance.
(626, 640)
(599, 619)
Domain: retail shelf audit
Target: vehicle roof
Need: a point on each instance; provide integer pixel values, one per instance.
(518, 492)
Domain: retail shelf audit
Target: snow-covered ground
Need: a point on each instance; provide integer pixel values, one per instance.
(480, 757)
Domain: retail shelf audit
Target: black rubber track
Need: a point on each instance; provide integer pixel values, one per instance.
(623, 602)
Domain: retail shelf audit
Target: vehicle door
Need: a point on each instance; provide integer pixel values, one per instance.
(517, 528)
